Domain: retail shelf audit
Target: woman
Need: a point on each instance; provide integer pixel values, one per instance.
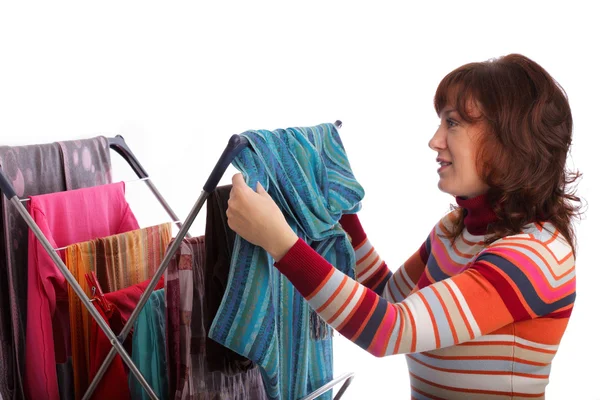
(481, 307)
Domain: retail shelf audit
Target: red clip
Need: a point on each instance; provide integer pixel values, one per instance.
(97, 293)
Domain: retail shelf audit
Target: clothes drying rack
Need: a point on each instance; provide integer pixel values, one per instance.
(236, 144)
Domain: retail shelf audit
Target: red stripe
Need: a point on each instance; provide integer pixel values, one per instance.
(560, 314)
(423, 253)
(376, 278)
(363, 310)
(504, 289)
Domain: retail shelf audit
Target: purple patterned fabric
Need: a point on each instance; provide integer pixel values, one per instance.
(189, 375)
(35, 170)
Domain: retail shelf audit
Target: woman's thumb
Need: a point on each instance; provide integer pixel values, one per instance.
(260, 189)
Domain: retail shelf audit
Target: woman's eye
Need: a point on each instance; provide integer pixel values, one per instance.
(451, 123)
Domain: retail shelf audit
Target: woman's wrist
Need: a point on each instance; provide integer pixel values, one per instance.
(282, 244)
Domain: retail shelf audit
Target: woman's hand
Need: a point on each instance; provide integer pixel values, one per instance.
(257, 218)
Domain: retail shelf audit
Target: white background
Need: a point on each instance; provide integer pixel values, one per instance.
(178, 79)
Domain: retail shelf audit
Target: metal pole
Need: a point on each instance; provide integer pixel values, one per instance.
(347, 378)
(117, 347)
(174, 246)
(164, 203)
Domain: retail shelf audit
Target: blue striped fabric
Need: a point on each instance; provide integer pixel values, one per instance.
(262, 316)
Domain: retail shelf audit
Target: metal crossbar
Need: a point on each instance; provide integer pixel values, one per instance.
(236, 144)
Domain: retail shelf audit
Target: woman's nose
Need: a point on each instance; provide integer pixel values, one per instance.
(438, 141)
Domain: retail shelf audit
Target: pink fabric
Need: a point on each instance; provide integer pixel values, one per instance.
(64, 218)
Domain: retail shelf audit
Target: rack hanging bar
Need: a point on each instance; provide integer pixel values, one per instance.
(346, 378)
(118, 144)
(10, 194)
(126, 182)
(236, 144)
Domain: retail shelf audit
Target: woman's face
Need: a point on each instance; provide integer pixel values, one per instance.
(456, 144)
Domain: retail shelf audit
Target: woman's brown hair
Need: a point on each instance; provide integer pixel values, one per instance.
(522, 157)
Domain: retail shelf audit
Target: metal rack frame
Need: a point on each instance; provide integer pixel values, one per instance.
(236, 144)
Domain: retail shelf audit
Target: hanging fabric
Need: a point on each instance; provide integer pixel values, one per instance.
(35, 170)
(64, 218)
(148, 350)
(189, 374)
(116, 309)
(219, 247)
(119, 261)
(263, 317)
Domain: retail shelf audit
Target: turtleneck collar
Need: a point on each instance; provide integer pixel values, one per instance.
(479, 213)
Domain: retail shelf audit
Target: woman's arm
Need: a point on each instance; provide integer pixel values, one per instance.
(501, 287)
(373, 272)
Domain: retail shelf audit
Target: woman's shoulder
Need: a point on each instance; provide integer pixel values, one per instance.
(540, 243)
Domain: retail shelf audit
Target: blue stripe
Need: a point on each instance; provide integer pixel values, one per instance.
(525, 286)
(367, 335)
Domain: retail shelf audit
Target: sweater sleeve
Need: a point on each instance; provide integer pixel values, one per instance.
(373, 272)
(503, 285)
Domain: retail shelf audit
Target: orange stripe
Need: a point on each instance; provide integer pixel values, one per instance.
(397, 287)
(482, 357)
(475, 390)
(413, 345)
(477, 371)
(460, 310)
(380, 332)
(548, 267)
(378, 282)
(364, 271)
(408, 285)
(433, 322)
(318, 289)
(447, 313)
(401, 330)
(365, 322)
(389, 338)
(333, 295)
(507, 343)
(361, 243)
(446, 252)
(430, 396)
(343, 307)
(534, 240)
(366, 256)
(353, 311)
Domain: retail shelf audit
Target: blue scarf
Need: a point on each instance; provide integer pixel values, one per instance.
(262, 316)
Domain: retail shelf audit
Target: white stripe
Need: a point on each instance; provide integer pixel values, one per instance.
(344, 314)
(410, 282)
(328, 289)
(511, 338)
(460, 380)
(368, 262)
(363, 250)
(387, 292)
(465, 307)
(395, 333)
(394, 284)
(423, 324)
(523, 384)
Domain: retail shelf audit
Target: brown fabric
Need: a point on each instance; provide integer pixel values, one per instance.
(187, 340)
(219, 246)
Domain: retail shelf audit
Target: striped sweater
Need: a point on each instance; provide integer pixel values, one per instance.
(476, 321)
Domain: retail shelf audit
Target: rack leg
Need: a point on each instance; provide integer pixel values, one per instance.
(117, 346)
(174, 246)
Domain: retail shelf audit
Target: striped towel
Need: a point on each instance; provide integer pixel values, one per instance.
(263, 317)
(119, 261)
